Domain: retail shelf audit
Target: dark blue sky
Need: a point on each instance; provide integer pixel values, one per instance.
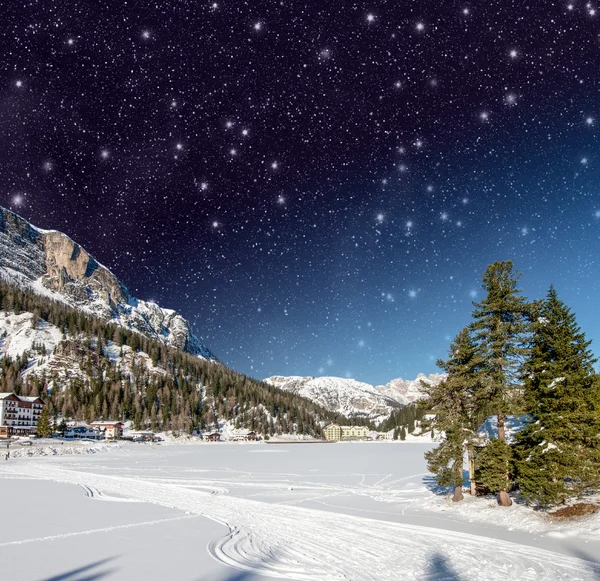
(317, 186)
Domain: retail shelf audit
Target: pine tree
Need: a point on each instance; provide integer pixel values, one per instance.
(501, 329)
(457, 411)
(43, 428)
(558, 454)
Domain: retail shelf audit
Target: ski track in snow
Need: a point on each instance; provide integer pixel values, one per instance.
(94, 531)
(311, 545)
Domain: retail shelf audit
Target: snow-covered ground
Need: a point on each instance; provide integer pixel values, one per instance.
(322, 512)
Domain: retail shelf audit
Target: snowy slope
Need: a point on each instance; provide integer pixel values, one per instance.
(354, 398)
(50, 263)
(17, 334)
(406, 391)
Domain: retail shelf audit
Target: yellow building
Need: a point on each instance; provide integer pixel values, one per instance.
(335, 433)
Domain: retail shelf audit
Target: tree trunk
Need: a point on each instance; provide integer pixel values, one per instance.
(503, 498)
(458, 469)
(471, 460)
(501, 435)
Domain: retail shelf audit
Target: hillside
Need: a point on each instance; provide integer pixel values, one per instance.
(88, 368)
(49, 263)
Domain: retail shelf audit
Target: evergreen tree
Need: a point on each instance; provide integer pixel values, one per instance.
(501, 329)
(43, 428)
(457, 411)
(558, 454)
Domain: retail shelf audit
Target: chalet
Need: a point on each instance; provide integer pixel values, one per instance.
(111, 430)
(213, 437)
(19, 414)
(244, 436)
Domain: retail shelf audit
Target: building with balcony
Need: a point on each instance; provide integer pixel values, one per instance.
(19, 414)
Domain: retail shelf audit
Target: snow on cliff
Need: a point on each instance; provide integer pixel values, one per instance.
(50, 263)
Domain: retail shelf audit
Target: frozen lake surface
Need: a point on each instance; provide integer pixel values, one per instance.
(251, 512)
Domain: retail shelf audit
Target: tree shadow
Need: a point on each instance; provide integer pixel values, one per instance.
(240, 576)
(591, 562)
(431, 485)
(439, 569)
(84, 573)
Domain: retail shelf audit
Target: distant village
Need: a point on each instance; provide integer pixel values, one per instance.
(19, 417)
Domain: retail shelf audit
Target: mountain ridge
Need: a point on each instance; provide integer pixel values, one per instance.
(353, 398)
(50, 263)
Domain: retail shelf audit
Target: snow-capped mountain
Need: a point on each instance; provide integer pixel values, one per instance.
(348, 397)
(48, 262)
(354, 398)
(407, 391)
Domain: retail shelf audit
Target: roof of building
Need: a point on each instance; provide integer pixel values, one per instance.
(107, 424)
(29, 399)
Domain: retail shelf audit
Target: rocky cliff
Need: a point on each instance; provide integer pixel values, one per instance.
(49, 262)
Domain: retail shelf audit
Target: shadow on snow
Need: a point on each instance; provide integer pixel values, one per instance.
(439, 569)
(84, 573)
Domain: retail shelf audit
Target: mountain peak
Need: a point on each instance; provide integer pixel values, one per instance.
(48, 262)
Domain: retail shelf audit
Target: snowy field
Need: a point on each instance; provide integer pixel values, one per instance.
(251, 512)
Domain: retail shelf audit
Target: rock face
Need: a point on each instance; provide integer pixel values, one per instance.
(356, 399)
(407, 391)
(50, 263)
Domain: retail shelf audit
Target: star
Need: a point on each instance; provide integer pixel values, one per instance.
(105, 154)
(179, 146)
(420, 26)
(258, 26)
(146, 34)
(510, 99)
(370, 17)
(70, 41)
(513, 54)
(589, 121)
(204, 186)
(465, 11)
(484, 115)
(274, 165)
(17, 200)
(584, 160)
(245, 132)
(215, 224)
(412, 294)
(19, 84)
(380, 218)
(281, 200)
(233, 152)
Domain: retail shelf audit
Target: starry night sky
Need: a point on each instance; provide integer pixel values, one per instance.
(317, 186)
